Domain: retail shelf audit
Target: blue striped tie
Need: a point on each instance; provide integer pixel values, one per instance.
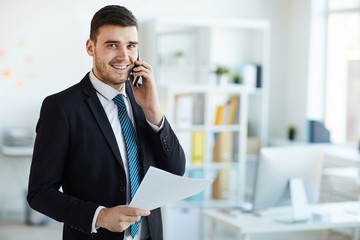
(132, 151)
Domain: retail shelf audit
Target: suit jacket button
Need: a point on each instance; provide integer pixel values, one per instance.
(122, 189)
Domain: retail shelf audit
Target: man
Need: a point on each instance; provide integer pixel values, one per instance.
(82, 143)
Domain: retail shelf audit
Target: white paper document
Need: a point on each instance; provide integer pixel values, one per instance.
(160, 187)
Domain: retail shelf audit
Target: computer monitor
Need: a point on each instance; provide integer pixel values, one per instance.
(277, 165)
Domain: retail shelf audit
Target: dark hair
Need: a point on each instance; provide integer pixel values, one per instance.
(111, 15)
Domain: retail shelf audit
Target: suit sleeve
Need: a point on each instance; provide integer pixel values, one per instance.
(170, 155)
(47, 170)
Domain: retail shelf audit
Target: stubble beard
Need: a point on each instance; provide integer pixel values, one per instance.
(104, 72)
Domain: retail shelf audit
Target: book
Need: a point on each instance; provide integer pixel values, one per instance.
(185, 139)
(222, 152)
(252, 75)
(198, 147)
(184, 110)
(220, 114)
(223, 147)
(198, 109)
(227, 113)
(221, 185)
(232, 108)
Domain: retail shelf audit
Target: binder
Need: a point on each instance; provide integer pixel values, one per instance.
(223, 147)
(198, 147)
(233, 106)
(220, 114)
(184, 110)
(222, 152)
(227, 113)
(221, 185)
(252, 75)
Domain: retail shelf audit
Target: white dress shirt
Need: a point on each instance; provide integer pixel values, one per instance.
(106, 93)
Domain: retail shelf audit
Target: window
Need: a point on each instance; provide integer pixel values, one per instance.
(343, 4)
(342, 111)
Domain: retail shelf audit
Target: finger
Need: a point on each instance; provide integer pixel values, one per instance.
(144, 213)
(131, 78)
(130, 211)
(130, 219)
(145, 73)
(138, 212)
(144, 64)
(142, 68)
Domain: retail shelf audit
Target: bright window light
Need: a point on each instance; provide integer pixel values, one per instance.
(340, 4)
(342, 113)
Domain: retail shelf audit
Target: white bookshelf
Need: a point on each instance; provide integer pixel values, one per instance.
(204, 45)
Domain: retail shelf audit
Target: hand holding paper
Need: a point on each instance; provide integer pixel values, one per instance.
(160, 187)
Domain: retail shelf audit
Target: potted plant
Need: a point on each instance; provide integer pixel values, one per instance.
(237, 78)
(222, 74)
(179, 57)
(291, 133)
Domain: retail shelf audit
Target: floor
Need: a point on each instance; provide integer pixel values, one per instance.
(12, 229)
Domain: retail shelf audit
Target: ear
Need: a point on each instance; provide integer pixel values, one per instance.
(90, 46)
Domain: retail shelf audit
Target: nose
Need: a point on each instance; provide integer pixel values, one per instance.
(122, 53)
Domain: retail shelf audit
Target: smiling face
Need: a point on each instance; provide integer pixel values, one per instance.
(114, 52)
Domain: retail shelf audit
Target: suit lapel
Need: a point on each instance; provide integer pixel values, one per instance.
(101, 118)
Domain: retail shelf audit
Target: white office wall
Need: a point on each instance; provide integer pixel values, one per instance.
(42, 44)
(52, 35)
(297, 66)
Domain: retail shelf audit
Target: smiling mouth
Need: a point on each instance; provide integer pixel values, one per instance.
(120, 67)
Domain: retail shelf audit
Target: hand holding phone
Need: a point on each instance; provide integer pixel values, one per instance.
(136, 80)
(145, 92)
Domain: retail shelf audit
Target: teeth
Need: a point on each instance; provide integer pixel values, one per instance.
(121, 67)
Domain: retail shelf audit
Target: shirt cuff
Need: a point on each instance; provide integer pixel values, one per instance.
(155, 127)
(93, 227)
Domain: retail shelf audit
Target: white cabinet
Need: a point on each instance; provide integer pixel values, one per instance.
(200, 104)
(184, 55)
(187, 51)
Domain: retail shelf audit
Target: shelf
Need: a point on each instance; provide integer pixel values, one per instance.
(226, 128)
(212, 128)
(189, 129)
(213, 166)
(231, 88)
(184, 67)
(25, 151)
(204, 204)
(193, 100)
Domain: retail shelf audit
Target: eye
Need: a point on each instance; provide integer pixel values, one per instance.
(132, 46)
(112, 45)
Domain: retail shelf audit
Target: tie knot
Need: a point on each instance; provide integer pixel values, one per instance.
(119, 100)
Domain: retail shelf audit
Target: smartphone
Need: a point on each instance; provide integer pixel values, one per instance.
(136, 80)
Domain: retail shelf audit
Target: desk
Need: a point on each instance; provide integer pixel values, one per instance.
(341, 215)
(341, 156)
(341, 184)
(14, 174)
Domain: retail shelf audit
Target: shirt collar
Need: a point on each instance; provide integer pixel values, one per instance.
(104, 89)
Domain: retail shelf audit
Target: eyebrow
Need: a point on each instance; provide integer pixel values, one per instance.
(111, 41)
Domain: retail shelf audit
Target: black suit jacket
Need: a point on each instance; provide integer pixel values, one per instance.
(76, 149)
